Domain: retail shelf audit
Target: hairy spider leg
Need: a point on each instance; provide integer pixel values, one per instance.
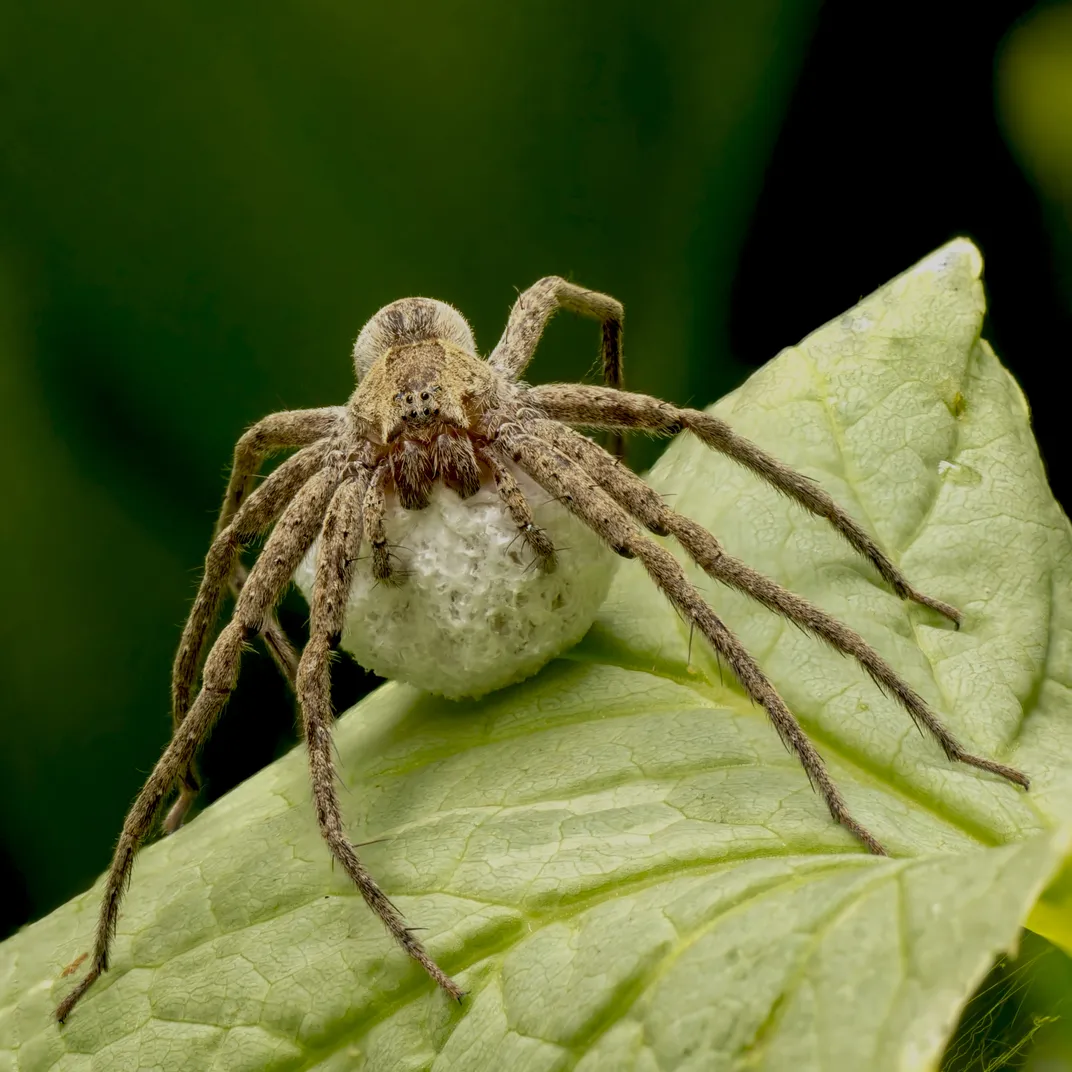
(278, 431)
(339, 543)
(601, 407)
(517, 506)
(286, 430)
(629, 491)
(284, 549)
(562, 476)
(492, 420)
(271, 632)
(529, 316)
(256, 514)
(374, 510)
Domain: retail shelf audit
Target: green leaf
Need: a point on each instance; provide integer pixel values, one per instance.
(617, 858)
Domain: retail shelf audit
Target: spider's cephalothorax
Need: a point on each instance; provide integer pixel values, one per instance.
(430, 426)
(423, 396)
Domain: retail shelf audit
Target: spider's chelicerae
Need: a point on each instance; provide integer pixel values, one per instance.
(429, 418)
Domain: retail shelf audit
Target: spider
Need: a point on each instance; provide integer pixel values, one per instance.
(429, 417)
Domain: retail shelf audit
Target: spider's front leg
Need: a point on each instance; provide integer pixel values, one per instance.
(279, 431)
(287, 430)
(642, 503)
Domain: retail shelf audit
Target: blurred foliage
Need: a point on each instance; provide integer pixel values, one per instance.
(1034, 93)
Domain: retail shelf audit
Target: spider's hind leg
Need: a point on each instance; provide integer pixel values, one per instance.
(561, 476)
(641, 501)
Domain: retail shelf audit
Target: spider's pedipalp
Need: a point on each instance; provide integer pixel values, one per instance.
(601, 407)
(562, 476)
(374, 510)
(339, 542)
(290, 539)
(456, 463)
(413, 468)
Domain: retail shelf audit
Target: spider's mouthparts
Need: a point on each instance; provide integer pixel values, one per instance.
(447, 454)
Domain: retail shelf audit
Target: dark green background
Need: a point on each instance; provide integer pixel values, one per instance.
(203, 202)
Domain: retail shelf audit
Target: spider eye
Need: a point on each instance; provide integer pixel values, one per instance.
(424, 397)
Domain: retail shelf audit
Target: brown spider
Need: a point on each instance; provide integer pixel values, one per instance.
(427, 409)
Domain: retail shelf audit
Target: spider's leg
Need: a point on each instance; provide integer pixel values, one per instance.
(563, 477)
(529, 316)
(339, 543)
(275, 640)
(513, 498)
(256, 514)
(252, 518)
(600, 407)
(644, 504)
(276, 432)
(531, 312)
(284, 549)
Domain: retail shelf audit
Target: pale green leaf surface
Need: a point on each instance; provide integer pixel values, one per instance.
(618, 858)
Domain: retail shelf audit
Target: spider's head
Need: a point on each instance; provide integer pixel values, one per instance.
(417, 370)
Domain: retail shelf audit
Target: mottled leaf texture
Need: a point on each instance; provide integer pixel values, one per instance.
(617, 858)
